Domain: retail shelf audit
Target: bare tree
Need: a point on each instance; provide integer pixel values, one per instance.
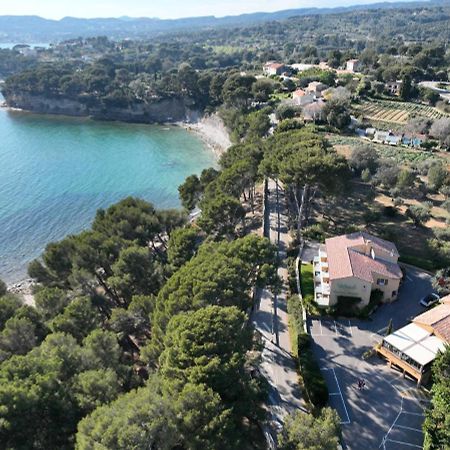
(441, 129)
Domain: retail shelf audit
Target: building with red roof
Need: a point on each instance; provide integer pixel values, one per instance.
(355, 265)
(414, 347)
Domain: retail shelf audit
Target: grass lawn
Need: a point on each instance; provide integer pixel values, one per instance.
(307, 282)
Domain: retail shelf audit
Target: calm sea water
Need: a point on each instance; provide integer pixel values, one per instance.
(56, 172)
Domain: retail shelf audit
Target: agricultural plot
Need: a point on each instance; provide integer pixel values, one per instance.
(396, 112)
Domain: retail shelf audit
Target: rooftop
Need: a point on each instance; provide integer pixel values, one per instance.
(346, 259)
(438, 318)
(417, 343)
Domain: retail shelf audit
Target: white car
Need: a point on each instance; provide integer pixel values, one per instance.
(429, 300)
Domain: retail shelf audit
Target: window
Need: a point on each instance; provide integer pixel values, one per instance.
(394, 293)
(382, 282)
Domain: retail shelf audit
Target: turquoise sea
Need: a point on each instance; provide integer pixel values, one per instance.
(56, 172)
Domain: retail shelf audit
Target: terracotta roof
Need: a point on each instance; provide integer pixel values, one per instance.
(274, 65)
(437, 318)
(364, 267)
(299, 93)
(345, 260)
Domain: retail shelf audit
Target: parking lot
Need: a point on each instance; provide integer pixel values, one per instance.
(406, 430)
(388, 412)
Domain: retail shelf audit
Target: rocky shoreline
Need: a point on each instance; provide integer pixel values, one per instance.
(23, 288)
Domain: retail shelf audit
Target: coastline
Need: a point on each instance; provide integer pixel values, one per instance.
(212, 131)
(24, 289)
(209, 129)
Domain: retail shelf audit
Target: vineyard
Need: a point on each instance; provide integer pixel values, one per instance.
(395, 112)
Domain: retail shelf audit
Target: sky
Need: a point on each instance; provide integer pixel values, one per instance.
(164, 9)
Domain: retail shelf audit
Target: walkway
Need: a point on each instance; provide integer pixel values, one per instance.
(270, 319)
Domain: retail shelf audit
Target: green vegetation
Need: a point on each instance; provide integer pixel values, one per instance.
(307, 432)
(437, 421)
(315, 386)
(307, 282)
(296, 323)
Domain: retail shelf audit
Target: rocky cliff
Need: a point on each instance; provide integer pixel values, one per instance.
(159, 111)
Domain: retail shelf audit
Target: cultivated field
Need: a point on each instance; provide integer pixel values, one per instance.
(395, 112)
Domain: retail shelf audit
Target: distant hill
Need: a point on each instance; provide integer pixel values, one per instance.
(36, 29)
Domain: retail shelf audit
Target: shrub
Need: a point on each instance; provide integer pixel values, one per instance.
(347, 306)
(314, 233)
(314, 382)
(371, 216)
(389, 211)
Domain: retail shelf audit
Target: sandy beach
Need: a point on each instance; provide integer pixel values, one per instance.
(212, 131)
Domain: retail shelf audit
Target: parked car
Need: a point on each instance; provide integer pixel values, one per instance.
(429, 300)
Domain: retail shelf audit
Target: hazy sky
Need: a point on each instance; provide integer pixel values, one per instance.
(56, 9)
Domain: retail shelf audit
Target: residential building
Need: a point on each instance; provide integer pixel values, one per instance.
(302, 98)
(355, 265)
(387, 137)
(394, 87)
(274, 68)
(316, 88)
(302, 67)
(414, 347)
(353, 65)
(412, 140)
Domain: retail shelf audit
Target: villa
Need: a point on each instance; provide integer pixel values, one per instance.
(414, 347)
(274, 68)
(354, 266)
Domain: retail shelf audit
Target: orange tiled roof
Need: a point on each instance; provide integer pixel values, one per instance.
(344, 260)
(437, 318)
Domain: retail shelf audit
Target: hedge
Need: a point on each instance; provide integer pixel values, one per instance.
(314, 382)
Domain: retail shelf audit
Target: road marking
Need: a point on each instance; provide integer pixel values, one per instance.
(342, 398)
(404, 443)
(383, 441)
(414, 414)
(408, 428)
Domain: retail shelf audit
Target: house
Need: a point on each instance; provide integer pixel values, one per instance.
(301, 67)
(412, 140)
(274, 68)
(380, 136)
(355, 265)
(394, 87)
(302, 98)
(393, 139)
(353, 65)
(414, 347)
(387, 137)
(316, 88)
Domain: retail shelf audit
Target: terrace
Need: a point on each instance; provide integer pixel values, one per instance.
(321, 279)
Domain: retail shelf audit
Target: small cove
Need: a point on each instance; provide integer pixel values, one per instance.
(55, 172)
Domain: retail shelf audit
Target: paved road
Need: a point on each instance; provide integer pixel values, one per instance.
(270, 319)
(389, 412)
